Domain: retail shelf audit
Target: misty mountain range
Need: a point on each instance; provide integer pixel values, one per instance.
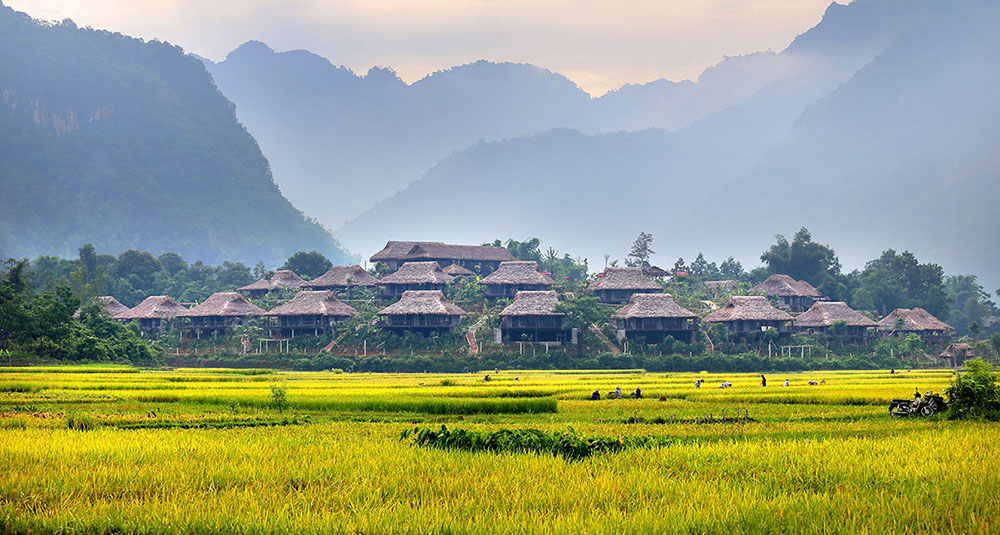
(875, 129)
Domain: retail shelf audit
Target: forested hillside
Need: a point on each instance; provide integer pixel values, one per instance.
(123, 143)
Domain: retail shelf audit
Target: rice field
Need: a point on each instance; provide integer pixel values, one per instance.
(206, 451)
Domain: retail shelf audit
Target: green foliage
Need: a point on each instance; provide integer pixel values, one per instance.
(79, 421)
(802, 259)
(900, 281)
(642, 250)
(310, 265)
(583, 311)
(279, 395)
(567, 444)
(975, 393)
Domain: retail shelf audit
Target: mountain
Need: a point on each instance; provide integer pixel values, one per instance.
(340, 142)
(879, 131)
(124, 143)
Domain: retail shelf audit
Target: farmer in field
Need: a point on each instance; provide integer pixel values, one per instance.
(638, 393)
(596, 395)
(618, 392)
(763, 380)
(697, 383)
(786, 382)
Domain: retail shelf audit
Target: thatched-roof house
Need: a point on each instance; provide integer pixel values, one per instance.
(516, 276)
(341, 278)
(421, 311)
(111, 306)
(283, 278)
(822, 315)
(792, 294)
(219, 312)
(655, 272)
(617, 284)
(309, 312)
(456, 270)
(750, 315)
(903, 321)
(532, 317)
(154, 313)
(717, 288)
(653, 317)
(956, 354)
(479, 258)
(414, 276)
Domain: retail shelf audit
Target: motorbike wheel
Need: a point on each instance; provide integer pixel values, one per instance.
(899, 413)
(928, 410)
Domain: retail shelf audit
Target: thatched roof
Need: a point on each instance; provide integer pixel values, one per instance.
(785, 286)
(624, 278)
(422, 302)
(728, 285)
(655, 271)
(283, 278)
(826, 313)
(914, 319)
(417, 273)
(751, 307)
(342, 276)
(456, 270)
(109, 304)
(653, 306)
(517, 272)
(156, 306)
(417, 250)
(533, 303)
(956, 349)
(223, 304)
(313, 303)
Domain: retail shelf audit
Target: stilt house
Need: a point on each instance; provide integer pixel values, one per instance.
(653, 317)
(515, 276)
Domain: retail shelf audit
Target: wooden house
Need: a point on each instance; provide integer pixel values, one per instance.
(219, 312)
(342, 279)
(414, 276)
(478, 258)
(750, 316)
(956, 354)
(111, 306)
(532, 318)
(792, 295)
(456, 270)
(309, 312)
(515, 276)
(423, 311)
(618, 284)
(903, 321)
(653, 317)
(822, 315)
(283, 278)
(154, 313)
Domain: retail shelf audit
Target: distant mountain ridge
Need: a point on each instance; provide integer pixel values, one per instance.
(124, 143)
(340, 142)
(880, 133)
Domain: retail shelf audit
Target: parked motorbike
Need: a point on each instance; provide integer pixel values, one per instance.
(928, 405)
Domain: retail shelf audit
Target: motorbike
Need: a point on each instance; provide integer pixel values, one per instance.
(928, 405)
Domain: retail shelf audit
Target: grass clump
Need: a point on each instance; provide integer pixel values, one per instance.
(567, 444)
(80, 421)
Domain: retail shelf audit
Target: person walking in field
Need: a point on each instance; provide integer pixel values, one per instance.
(763, 380)
(697, 383)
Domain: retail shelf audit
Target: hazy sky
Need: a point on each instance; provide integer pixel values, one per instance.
(599, 44)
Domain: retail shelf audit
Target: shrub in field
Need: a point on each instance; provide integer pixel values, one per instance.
(975, 393)
(279, 394)
(567, 444)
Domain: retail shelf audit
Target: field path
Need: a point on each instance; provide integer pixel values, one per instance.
(470, 335)
(604, 339)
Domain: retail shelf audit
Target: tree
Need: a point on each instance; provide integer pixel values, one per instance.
(975, 393)
(802, 258)
(901, 281)
(642, 250)
(731, 268)
(524, 250)
(583, 311)
(311, 264)
(173, 263)
(862, 300)
(679, 265)
(703, 268)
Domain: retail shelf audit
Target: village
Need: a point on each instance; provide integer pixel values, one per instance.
(516, 304)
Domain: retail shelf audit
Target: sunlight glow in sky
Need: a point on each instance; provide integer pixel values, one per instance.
(598, 44)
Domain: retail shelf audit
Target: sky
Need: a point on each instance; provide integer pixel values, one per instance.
(599, 44)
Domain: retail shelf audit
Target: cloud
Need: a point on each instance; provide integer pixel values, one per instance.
(600, 44)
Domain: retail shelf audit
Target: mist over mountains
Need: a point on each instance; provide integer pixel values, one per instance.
(128, 144)
(881, 133)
